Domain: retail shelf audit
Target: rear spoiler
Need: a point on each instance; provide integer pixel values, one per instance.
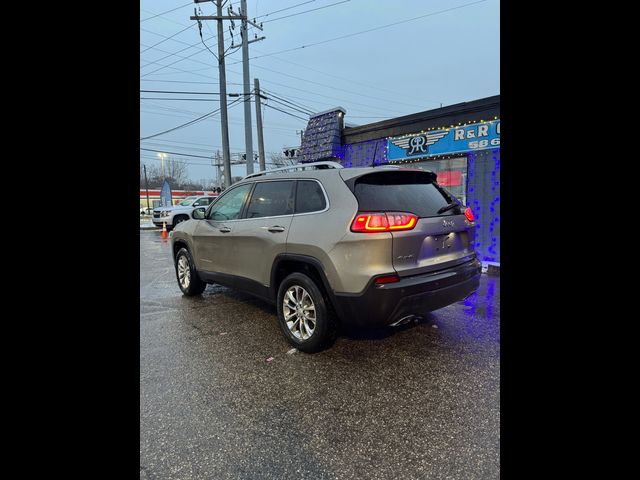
(408, 175)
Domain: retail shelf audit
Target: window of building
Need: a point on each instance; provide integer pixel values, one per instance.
(452, 174)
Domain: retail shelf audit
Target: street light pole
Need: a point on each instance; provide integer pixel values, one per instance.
(146, 183)
(162, 155)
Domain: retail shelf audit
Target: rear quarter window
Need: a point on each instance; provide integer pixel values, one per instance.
(412, 192)
(309, 197)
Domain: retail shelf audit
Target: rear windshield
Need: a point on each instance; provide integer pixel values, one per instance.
(412, 192)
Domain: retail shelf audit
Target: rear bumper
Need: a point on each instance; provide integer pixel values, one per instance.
(385, 304)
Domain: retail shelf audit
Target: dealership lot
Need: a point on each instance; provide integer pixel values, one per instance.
(222, 394)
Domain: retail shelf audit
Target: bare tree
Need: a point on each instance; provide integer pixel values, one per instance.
(175, 172)
(279, 160)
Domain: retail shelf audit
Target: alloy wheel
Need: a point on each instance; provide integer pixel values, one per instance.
(299, 312)
(184, 272)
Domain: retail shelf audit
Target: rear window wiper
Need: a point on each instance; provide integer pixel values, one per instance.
(448, 207)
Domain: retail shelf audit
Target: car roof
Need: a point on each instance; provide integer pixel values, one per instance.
(317, 174)
(326, 173)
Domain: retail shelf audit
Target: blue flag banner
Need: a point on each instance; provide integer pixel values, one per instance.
(165, 194)
(467, 138)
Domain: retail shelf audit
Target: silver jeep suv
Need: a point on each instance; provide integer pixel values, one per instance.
(330, 245)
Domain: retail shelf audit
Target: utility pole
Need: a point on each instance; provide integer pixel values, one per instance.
(256, 88)
(223, 83)
(247, 89)
(248, 139)
(223, 78)
(300, 132)
(146, 183)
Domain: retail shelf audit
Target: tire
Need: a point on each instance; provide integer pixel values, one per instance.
(190, 283)
(306, 334)
(179, 219)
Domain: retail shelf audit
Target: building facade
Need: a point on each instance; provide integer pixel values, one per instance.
(460, 143)
(177, 196)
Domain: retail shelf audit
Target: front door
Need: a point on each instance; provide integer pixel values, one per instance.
(213, 242)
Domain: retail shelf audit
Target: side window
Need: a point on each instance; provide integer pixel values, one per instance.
(309, 197)
(270, 199)
(204, 201)
(229, 206)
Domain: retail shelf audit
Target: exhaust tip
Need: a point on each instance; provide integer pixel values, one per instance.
(405, 320)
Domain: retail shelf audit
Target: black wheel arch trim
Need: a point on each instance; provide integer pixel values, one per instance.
(317, 264)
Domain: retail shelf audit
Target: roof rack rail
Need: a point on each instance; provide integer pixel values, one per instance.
(299, 166)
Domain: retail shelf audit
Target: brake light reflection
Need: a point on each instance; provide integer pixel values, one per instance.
(469, 214)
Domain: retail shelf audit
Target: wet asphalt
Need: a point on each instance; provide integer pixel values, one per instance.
(421, 401)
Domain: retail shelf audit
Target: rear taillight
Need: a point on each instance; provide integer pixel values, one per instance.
(383, 222)
(469, 214)
(387, 279)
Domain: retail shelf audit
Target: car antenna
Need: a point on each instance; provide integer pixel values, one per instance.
(373, 161)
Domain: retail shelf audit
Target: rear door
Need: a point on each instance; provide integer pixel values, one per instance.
(262, 232)
(439, 240)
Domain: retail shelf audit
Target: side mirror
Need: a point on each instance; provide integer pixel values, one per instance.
(198, 213)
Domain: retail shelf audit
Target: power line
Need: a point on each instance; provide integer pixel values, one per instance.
(234, 122)
(332, 98)
(333, 87)
(177, 153)
(290, 114)
(185, 81)
(342, 78)
(182, 58)
(173, 143)
(169, 54)
(306, 11)
(312, 109)
(370, 29)
(169, 91)
(188, 143)
(304, 112)
(162, 146)
(149, 157)
(288, 8)
(303, 107)
(184, 99)
(163, 13)
(270, 126)
(165, 39)
(195, 120)
(180, 70)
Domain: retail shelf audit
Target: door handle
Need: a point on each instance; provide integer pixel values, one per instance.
(225, 229)
(276, 229)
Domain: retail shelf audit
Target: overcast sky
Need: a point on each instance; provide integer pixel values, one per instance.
(416, 65)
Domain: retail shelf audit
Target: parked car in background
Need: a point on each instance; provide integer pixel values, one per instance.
(172, 216)
(368, 247)
(146, 210)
